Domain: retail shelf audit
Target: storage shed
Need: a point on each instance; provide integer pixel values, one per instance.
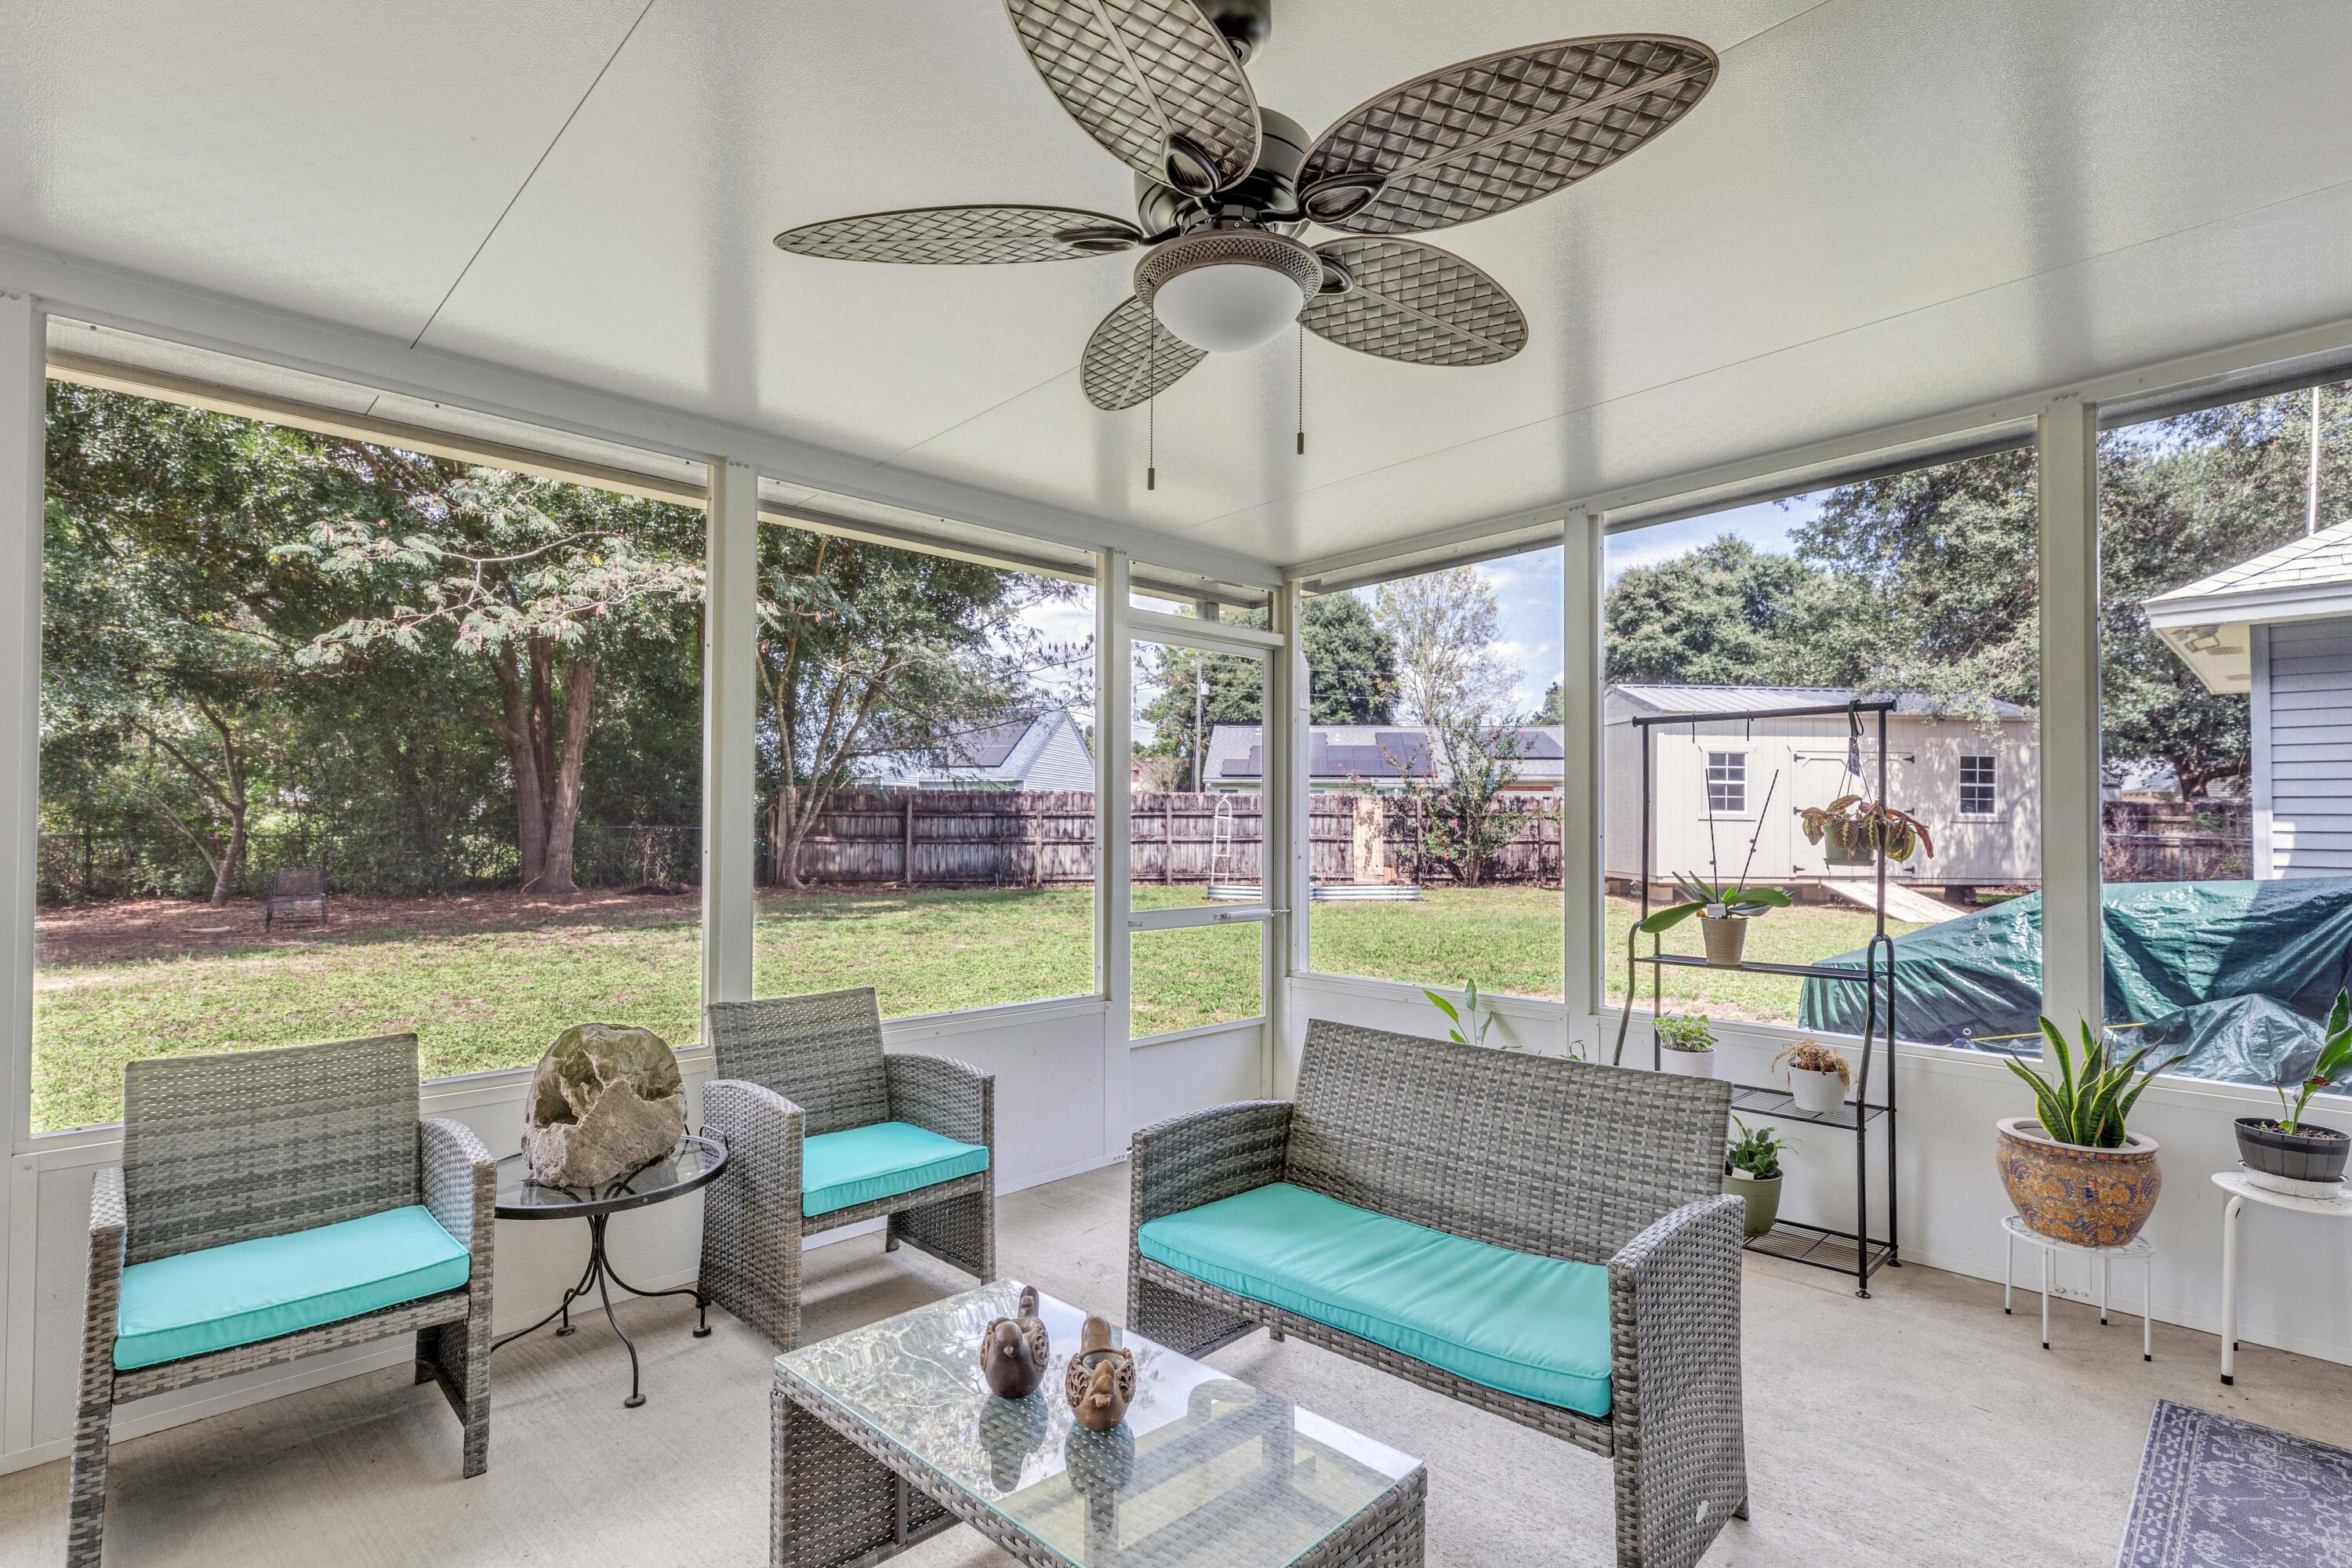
(1974, 780)
(2279, 629)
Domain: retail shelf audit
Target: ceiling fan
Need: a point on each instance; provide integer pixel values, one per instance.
(1223, 186)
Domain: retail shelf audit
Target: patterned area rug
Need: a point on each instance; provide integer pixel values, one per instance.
(2216, 1492)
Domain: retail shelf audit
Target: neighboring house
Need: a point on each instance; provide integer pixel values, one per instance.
(1974, 781)
(1047, 752)
(2278, 629)
(1369, 759)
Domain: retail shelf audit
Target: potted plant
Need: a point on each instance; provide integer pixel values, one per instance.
(1819, 1076)
(1689, 1044)
(2072, 1169)
(1857, 829)
(1751, 1169)
(1723, 915)
(2286, 1148)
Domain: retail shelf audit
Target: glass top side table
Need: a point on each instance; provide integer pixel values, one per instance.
(887, 1435)
(695, 1162)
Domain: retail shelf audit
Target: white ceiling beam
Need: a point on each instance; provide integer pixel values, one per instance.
(114, 298)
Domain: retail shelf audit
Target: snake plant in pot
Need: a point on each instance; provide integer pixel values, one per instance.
(2071, 1169)
(2286, 1148)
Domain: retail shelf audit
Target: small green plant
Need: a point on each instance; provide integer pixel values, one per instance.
(1811, 1056)
(1731, 899)
(2335, 1056)
(1466, 1016)
(2087, 1108)
(1756, 1152)
(1685, 1032)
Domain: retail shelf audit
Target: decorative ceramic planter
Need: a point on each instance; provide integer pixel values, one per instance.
(1816, 1093)
(1763, 1195)
(1727, 938)
(1687, 1064)
(2296, 1156)
(2092, 1198)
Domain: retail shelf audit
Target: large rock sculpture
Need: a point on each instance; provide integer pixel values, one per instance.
(607, 1100)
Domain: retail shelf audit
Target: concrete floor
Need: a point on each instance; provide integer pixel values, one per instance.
(1919, 1428)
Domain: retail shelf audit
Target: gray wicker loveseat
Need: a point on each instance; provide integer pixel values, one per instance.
(1542, 1238)
(269, 1206)
(823, 1129)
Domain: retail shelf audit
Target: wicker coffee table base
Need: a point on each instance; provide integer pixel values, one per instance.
(845, 1496)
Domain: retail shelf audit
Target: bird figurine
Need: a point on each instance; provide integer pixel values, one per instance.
(1100, 1382)
(1014, 1350)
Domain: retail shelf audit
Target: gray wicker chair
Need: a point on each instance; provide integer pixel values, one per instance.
(801, 1067)
(224, 1149)
(1566, 1159)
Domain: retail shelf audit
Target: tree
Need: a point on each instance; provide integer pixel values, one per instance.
(1725, 614)
(866, 649)
(1459, 807)
(531, 576)
(170, 630)
(1443, 624)
(1549, 711)
(1351, 668)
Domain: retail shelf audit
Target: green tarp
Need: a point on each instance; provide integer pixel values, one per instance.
(2233, 973)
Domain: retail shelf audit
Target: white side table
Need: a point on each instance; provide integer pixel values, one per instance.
(2241, 1192)
(2138, 1249)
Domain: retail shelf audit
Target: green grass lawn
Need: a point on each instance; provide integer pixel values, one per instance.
(492, 991)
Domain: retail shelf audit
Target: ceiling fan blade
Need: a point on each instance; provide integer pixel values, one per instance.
(1152, 81)
(1414, 302)
(974, 234)
(1491, 134)
(1123, 365)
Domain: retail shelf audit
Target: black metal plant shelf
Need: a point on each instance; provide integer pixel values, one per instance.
(1818, 1246)
(1854, 1253)
(1755, 1100)
(1756, 966)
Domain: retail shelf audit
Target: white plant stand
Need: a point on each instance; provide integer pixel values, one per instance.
(2242, 1191)
(2140, 1249)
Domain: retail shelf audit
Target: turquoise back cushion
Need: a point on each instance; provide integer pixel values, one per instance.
(1536, 1327)
(195, 1302)
(862, 1164)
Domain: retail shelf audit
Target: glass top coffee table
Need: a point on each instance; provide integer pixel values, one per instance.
(887, 1435)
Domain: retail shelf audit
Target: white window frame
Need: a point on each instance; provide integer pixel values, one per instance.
(1990, 784)
(1736, 759)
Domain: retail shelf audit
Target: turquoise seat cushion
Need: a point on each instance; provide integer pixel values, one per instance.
(861, 1165)
(1536, 1327)
(252, 1291)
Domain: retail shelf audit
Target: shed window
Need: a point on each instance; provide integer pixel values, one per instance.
(1976, 785)
(1727, 781)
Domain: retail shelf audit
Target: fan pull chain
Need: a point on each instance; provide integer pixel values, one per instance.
(1302, 390)
(1151, 406)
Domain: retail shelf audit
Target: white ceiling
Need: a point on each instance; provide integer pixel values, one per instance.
(1885, 210)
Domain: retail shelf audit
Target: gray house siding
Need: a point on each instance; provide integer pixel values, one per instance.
(2303, 749)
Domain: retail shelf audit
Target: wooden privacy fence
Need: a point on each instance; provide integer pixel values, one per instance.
(1046, 838)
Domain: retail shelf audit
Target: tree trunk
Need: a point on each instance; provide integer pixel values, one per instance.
(514, 727)
(563, 800)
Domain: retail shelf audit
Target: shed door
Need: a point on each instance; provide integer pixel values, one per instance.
(1821, 777)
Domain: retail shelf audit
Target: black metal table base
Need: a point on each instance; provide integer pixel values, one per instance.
(598, 1273)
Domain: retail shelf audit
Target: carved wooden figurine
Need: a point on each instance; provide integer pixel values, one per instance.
(1100, 1382)
(1014, 1350)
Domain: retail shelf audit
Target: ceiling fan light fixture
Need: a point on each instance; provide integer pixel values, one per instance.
(1227, 291)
